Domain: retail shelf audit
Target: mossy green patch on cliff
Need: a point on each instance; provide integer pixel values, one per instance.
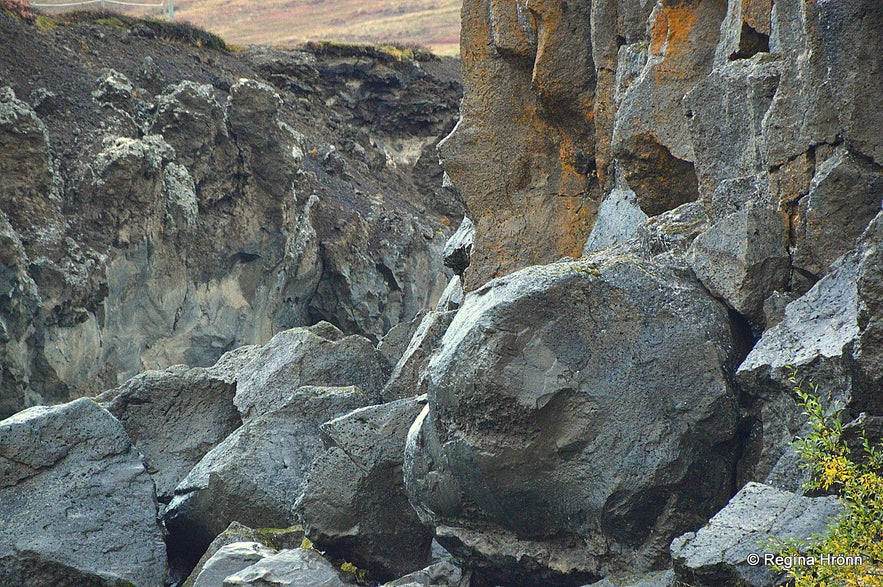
(45, 23)
(112, 22)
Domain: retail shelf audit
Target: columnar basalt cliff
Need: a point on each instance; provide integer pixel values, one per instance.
(676, 101)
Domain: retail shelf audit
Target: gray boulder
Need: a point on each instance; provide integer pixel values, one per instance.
(273, 538)
(354, 503)
(406, 375)
(304, 356)
(256, 474)
(743, 259)
(230, 559)
(78, 505)
(586, 434)
(300, 567)
(174, 417)
(718, 553)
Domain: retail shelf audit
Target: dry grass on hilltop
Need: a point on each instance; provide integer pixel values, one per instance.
(434, 24)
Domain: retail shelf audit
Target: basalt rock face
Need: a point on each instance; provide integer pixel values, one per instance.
(522, 154)
(162, 203)
(724, 102)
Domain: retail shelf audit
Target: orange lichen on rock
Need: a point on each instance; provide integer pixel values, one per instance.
(757, 14)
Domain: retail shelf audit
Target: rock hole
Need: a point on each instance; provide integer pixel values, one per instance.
(751, 42)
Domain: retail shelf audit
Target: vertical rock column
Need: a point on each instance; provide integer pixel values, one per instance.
(522, 154)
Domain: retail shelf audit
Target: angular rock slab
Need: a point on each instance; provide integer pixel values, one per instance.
(300, 567)
(229, 560)
(307, 356)
(354, 503)
(584, 403)
(78, 507)
(174, 416)
(743, 259)
(255, 475)
(844, 196)
(275, 539)
(405, 380)
(717, 554)
(816, 337)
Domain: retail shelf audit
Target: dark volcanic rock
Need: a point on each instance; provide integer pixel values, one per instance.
(257, 473)
(354, 503)
(566, 439)
(831, 337)
(174, 417)
(169, 208)
(78, 505)
(718, 553)
(303, 356)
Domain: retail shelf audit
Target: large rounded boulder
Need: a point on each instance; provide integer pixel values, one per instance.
(580, 416)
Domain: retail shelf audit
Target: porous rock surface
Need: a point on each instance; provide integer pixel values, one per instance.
(718, 554)
(354, 501)
(585, 435)
(79, 508)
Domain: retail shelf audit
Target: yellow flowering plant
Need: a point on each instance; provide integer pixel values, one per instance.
(850, 554)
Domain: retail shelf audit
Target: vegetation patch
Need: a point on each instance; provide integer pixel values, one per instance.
(45, 23)
(172, 31)
(112, 22)
(850, 554)
(395, 52)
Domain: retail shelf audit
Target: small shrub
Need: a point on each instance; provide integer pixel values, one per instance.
(858, 482)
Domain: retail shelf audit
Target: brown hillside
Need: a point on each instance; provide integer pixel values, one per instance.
(430, 23)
